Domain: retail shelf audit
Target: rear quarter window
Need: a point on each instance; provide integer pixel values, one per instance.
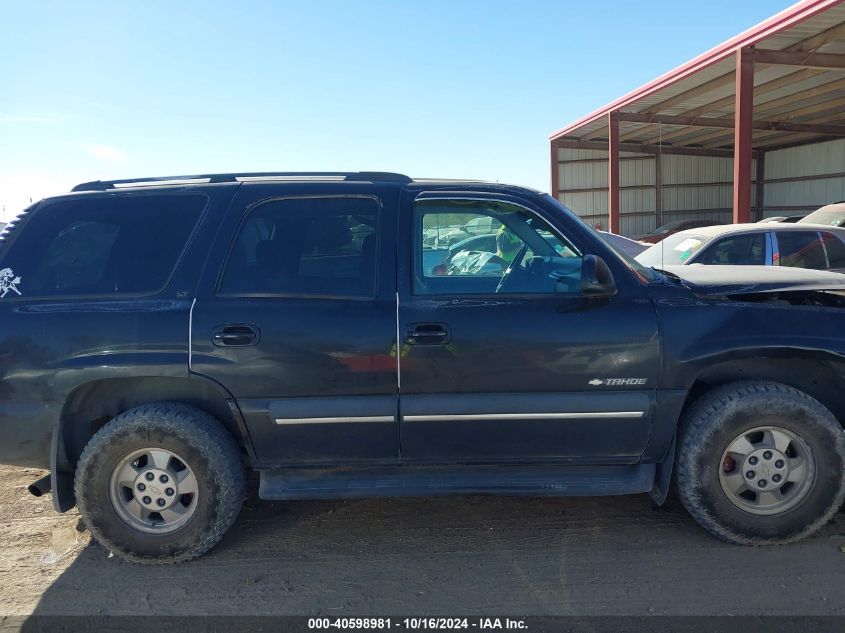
(103, 246)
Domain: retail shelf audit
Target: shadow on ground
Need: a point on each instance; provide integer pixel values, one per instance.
(465, 556)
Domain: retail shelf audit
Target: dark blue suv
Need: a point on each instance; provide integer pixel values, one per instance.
(160, 337)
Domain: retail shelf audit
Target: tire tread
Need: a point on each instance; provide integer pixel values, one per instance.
(697, 426)
(207, 435)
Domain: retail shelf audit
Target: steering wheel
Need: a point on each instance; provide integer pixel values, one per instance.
(515, 263)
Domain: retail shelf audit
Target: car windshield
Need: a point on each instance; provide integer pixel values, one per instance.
(832, 217)
(674, 250)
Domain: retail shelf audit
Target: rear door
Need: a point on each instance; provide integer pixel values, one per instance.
(298, 322)
(800, 249)
(502, 358)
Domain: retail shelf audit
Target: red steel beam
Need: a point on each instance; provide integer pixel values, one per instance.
(760, 184)
(645, 149)
(743, 129)
(800, 58)
(709, 122)
(613, 172)
(555, 164)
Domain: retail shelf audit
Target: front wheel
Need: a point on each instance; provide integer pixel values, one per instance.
(760, 463)
(160, 483)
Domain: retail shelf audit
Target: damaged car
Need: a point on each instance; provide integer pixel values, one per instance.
(161, 338)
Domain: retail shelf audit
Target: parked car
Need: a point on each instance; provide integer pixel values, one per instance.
(661, 232)
(829, 215)
(447, 236)
(794, 245)
(160, 338)
(785, 219)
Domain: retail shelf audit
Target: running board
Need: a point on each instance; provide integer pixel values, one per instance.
(417, 481)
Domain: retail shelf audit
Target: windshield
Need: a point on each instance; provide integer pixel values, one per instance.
(832, 217)
(674, 250)
(642, 271)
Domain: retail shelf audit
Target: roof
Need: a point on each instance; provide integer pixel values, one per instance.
(693, 105)
(836, 206)
(727, 229)
(197, 179)
(293, 177)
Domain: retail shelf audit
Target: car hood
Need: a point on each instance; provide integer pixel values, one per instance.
(743, 280)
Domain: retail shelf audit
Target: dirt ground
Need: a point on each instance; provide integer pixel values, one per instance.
(421, 556)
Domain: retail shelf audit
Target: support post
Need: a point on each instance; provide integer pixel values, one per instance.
(743, 129)
(658, 190)
(613, 172)
(555, 164)
(760, 185)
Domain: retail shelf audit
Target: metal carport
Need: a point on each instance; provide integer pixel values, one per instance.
(698, 138)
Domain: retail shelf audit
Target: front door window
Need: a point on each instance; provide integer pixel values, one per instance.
(471, 247)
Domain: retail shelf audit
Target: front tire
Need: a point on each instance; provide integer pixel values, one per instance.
(160, 483)
(760, 463)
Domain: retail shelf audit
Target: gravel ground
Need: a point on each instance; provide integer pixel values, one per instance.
(422, 556)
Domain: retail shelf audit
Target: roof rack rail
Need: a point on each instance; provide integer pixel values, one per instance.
(104, 185)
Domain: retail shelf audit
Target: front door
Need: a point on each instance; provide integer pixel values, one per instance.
(299, 324)
(502, 357)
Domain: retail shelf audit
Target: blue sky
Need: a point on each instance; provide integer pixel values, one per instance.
(453, 89)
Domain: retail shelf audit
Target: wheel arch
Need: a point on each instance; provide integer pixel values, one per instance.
(91, 405)
(818, 374)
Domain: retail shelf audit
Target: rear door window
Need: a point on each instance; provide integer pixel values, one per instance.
(801, 249)
(103, 246)
(305, 247)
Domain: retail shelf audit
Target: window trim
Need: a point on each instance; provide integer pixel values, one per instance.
(428, 195)
(114, 296)
(835, 236)
(301, 295)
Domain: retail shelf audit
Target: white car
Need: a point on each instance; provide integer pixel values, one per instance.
(796, 245)
(829, 215)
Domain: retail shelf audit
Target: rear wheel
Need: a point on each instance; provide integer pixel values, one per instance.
(760, 463)
(160, 483)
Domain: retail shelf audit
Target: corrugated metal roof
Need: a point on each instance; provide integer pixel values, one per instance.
(704, 87)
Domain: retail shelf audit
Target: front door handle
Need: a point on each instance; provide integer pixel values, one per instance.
(235, 335)
(427, 334)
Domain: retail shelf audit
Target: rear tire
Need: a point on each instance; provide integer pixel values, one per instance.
(160, 483)
(760, 463)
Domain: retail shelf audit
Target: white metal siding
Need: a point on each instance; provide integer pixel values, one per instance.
(806, 160)
(698, 186)
(819, 159)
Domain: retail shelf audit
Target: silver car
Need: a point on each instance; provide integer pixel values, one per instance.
(795, 245)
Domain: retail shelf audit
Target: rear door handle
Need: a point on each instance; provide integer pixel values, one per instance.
(427, 334)
(235, 335)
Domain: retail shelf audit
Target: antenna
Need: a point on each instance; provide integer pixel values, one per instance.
(659, 192)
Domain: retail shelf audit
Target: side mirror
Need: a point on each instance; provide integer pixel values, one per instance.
(596, 278)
